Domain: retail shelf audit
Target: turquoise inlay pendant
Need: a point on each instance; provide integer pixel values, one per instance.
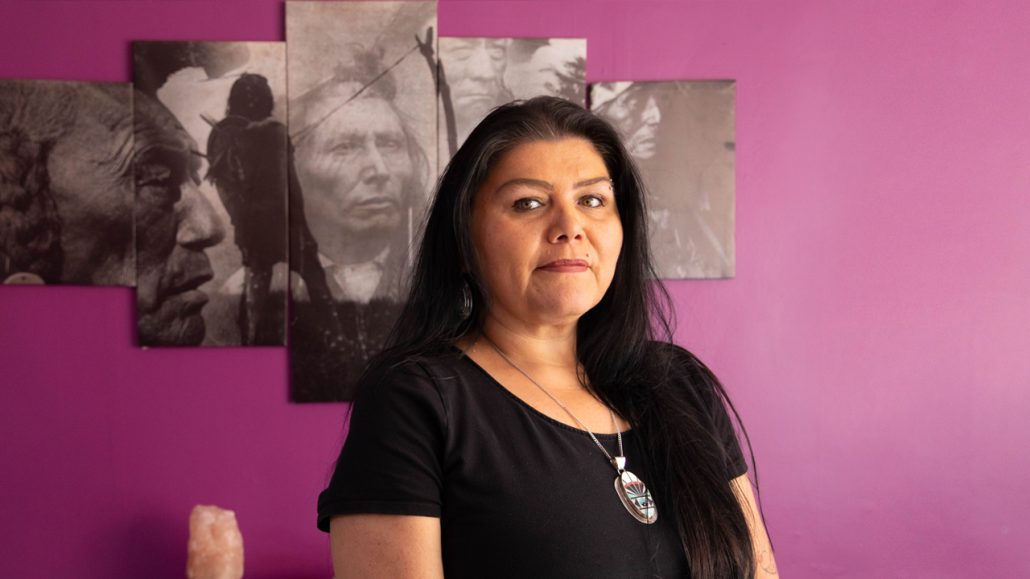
(634, 494)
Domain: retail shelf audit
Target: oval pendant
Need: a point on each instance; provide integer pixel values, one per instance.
(635, 497)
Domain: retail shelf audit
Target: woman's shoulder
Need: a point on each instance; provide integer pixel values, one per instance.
(692, 381)
(670, 354)
(410, 390)
(681, 368)
(435, 387)
(661, 347)
(431, 369)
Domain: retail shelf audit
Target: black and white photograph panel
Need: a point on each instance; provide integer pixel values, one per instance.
(66, 176)
(682, 136)
(479, 74)
(222, 155)
(362, 102)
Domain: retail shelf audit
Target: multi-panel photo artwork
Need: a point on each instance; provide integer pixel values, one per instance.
(270, 193)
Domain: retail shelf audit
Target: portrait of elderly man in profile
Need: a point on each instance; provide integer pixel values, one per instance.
(175, 225)
(361, 123)
(66, 176)
(479, 74)
(681, 134)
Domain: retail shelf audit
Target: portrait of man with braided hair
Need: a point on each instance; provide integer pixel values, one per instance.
(66, 183)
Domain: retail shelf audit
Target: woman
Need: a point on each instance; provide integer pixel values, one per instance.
(524, 379)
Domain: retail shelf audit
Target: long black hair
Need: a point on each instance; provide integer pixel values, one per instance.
(623, 343)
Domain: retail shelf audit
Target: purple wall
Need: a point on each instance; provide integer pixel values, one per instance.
(875, 337)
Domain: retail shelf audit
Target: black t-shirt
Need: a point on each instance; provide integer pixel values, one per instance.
(519, 494)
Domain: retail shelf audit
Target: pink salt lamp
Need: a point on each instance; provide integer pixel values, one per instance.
(216, 545)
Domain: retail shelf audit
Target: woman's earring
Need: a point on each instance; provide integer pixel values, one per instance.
(465, 307)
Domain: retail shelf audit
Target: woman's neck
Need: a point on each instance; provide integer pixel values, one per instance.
(547, 349)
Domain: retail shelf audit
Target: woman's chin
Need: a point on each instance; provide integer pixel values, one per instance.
(562, 312)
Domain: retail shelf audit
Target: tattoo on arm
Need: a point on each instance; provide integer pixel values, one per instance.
(767, 563)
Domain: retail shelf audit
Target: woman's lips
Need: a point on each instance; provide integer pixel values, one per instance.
(565, 266)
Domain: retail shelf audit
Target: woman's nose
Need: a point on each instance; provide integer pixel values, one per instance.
(199, 225)
(566, 225)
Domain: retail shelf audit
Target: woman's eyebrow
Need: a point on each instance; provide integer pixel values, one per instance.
(546, 186)
(589, 182)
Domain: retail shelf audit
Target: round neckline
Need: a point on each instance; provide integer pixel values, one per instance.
(534, 411)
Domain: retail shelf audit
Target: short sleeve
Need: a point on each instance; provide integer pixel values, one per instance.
(704, 383)
(727, 437)
(391, 461)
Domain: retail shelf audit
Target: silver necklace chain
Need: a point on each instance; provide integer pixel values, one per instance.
(615, 464)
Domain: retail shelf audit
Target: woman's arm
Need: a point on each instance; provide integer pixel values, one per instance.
(386, 546)
(759, 538)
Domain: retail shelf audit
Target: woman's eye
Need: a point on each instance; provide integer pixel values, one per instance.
(593, 201)
(526, 204)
